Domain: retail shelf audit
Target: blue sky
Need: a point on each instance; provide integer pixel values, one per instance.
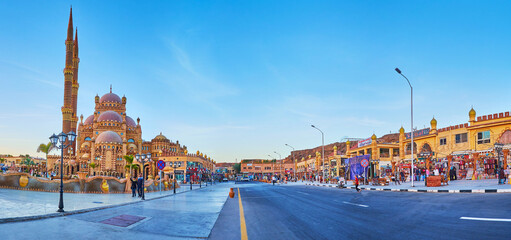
(241, 79)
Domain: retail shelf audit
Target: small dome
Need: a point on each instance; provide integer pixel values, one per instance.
(472, 113)
(89, 120)
(110, 97)
(401, 130)
(109, 137)
(433, 121)
(373, 137)
(110, 116)
(160, 137)
(130, 122)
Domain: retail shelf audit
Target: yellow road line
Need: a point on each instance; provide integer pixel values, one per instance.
(243, 226)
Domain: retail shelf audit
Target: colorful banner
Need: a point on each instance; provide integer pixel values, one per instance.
(418, 133)
(356, 168)
(365, 142)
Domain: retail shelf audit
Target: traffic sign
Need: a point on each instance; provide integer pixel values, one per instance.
(161, 164)
(364, 163)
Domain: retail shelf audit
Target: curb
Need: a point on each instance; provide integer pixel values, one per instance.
(421, 190)
(53, 215)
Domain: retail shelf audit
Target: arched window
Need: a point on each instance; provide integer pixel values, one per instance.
(131, 140)
(408, 148)
(87, 139)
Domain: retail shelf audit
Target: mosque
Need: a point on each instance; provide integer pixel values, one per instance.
(108, 134)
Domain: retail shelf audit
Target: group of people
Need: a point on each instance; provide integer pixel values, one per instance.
(137, 186)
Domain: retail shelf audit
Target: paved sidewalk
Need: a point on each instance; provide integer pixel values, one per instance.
(21, 203)
(188, 215)
(469, 186)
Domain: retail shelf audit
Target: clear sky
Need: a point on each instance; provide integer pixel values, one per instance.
(239, 79)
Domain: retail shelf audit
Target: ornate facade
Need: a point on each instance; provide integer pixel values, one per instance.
(108, 134)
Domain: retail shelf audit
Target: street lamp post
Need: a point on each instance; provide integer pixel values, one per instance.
(411, 116)
(143, 158)
(280, 157)
(323, 149)
(273, 169)
(61, 138)
(294, 161)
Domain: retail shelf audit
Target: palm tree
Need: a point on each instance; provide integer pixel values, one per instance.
(129, 162)
(27, 161)
(45, 148)
(93, 165)
(132, 166)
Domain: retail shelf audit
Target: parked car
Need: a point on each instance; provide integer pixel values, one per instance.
(225, 180)
(245, 179)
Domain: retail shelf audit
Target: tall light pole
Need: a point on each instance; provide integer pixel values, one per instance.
(271, 157)
(294, 161)
(411, 116)
(61, 138)
(280, 157)
(143, 159)
(323, 149)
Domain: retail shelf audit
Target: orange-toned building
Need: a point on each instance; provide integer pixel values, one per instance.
(108, 134)
(265, 169)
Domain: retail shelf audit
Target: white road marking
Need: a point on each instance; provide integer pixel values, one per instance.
(360, 205)
(487, 219)
(304, 193)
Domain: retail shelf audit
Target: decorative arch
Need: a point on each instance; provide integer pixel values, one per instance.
(505, 137)
(425, 148)
(131, 140)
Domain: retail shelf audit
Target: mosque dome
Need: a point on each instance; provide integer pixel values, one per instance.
(110, 116)
(160, 137)
(109, 137)
(110, 97)
(433, 122)
(472, 113)
(89, 120)
(130, 122)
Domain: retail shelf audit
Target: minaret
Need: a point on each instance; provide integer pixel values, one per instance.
(67, 109)
(74, 92)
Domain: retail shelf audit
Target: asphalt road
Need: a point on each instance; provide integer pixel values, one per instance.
(306, 212)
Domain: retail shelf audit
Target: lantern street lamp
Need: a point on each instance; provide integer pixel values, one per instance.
(143, 158)
(322, 150)
(411, 115)
(55, 140)
(294, 160)
(498, 149)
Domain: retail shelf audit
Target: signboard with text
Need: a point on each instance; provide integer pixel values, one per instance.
(418, 133)
(365, 142)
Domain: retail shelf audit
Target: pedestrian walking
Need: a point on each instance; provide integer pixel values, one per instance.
(502, 176)
(133, 187)
(139, 186)
(356, 184)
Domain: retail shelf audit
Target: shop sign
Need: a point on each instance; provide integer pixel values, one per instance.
(365, 142)
(418, 133)
(406, 165)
